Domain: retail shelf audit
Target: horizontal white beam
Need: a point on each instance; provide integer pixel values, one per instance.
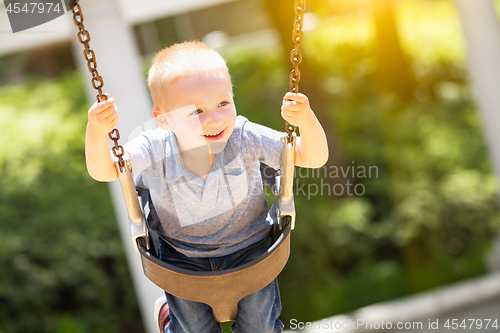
(419, 307)
(134, 11)
(61, 29)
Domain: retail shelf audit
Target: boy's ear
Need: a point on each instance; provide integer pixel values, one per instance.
(161, 119)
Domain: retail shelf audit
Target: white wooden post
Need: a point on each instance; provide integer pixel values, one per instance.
(482, 34)
(118, 63)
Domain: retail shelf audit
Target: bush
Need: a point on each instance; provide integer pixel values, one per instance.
(63, 264)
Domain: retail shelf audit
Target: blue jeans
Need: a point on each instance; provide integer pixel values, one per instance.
(257, 312)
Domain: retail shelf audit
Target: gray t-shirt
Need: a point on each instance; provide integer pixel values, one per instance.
(221, 215)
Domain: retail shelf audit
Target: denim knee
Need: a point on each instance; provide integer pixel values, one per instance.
(259, 311)
(190, 317)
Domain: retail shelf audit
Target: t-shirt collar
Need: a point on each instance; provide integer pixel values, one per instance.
(229, 160)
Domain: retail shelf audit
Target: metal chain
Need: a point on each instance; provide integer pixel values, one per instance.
(97, 81)
(296, 54)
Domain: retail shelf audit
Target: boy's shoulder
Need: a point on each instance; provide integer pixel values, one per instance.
(258, 142)
(244, 125)
(256, 136)
(156, 133)
(240, 122)
(156, 140)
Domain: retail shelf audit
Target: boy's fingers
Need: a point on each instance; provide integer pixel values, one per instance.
(112, 119)
(293, 106)
(289, 119)
(103, 106)
(106, 117)
(104, 112)
(107, 103)
(287, 115)
(106, 95)
(301, 98)
(109, 114)
(109, 117)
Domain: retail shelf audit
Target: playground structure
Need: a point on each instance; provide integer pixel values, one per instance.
(144, 99)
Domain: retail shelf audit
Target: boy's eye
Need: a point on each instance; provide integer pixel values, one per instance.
(198, 111)
(223, 103)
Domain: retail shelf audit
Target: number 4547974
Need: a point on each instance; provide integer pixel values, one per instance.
(471, 323)
(33, 7)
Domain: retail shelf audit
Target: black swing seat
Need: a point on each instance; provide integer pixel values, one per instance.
(221, 290)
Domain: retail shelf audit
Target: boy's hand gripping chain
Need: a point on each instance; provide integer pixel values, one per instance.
(138, 224)
(286, 206)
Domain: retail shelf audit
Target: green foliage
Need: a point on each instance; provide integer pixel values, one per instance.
(426, 217)
(431, 32)
(430, 207)
(63, 268)
(259, 83)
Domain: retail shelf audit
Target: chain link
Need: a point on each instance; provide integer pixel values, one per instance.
(97, 81)
(296, 55)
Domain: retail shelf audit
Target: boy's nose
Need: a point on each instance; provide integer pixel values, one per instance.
(213, 119)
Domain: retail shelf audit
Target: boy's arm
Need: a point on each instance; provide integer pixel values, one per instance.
(311, 150)
(102, 119)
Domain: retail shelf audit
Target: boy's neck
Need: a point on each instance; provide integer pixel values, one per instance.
(198, 162)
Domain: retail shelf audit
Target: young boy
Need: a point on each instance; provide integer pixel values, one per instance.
(201, 167)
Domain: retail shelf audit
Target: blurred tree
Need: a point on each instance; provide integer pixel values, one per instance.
(282, 15)
(393, 68)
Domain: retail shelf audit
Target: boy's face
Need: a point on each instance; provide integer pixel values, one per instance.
(200, 110)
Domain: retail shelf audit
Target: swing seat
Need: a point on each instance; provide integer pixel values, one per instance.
(221, 290)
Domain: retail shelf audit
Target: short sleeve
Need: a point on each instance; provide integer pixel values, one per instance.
(144, 150)
(261, 143)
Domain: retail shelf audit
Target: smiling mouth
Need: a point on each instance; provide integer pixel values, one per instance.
(215, 135)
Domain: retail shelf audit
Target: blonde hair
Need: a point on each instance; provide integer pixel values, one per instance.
(178, 61)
